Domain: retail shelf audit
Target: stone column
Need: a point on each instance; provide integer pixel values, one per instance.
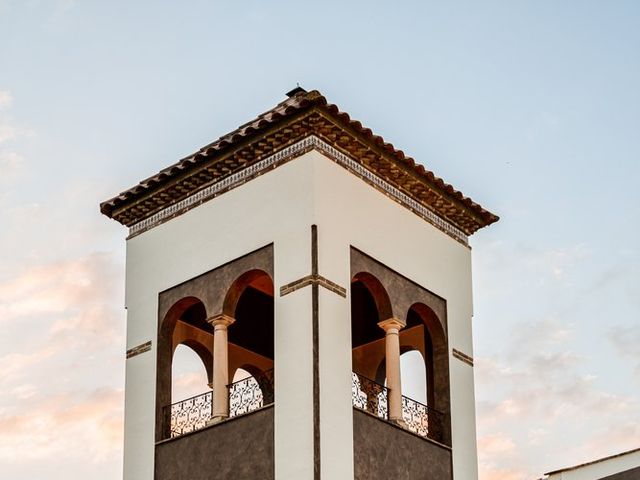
(220, 409)
(392, 327)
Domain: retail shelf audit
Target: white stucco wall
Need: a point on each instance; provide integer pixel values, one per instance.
(280, 207)
(602, 468)
(275, 207)
(350, 212)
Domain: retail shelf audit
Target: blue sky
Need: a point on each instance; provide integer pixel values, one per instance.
(530, 107)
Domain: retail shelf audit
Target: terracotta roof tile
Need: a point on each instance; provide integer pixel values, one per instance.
(302, 101)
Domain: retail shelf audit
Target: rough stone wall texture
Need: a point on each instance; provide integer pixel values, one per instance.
(238, 449)
(382, 452)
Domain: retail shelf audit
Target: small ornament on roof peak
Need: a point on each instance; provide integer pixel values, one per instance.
(296, 91)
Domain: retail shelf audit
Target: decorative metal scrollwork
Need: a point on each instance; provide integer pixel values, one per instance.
(369, 396)
(189, 415)
(251, 394)
(420, 419)
(195, 413)
(373, 397)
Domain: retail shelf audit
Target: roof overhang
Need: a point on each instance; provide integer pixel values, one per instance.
(306, 115)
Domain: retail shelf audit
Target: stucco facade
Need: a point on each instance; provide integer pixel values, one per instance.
(311, 254)
(278, 208)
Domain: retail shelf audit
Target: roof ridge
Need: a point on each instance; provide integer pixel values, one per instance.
(298, 102)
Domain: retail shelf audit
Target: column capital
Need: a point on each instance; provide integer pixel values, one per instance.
(391, 324)
(220, 320)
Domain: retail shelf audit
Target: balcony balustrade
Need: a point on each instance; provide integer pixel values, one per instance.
(189, 415)
(372, 397)
(195, 413)
(250, 394)
(253, 393)
(421, 420)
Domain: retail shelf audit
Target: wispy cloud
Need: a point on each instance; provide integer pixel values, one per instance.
(5, 99)
(496, 443)
(63, 399)
(69, 308)
(64, 427)
(7, 131)
(16, 365)
(492, 471)
(626, 340)
(10, 164)
(68, 294)
(541, 390)
(538, 379)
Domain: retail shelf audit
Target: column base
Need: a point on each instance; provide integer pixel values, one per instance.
(217, 419)
(398, 421)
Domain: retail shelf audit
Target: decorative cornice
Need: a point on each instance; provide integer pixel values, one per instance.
(224, 185)
(463, 357)
(283, 156)
(391, 191)
(311, 280)
(145, 347)
(303, 114)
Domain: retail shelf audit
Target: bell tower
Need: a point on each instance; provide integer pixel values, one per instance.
(310, 253)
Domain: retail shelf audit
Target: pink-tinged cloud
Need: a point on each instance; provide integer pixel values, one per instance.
(14, 365)
(62, 384)
(68, 307)
(64, 427)
(538, 386)
(77, 295)
(53, 287)
(496, 443)
(491, 471)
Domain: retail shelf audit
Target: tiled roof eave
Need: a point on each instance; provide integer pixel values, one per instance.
(208, 158)
(225, 142)
(309, 113)
(417, 171)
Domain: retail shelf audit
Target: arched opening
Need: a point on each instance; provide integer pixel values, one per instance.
(398, 328)
(427, 375)
(239, 375)
(250, 389)
(251, 342)
(185, 364)
(250, 302)
(414, 376)
(369, 305)
(189, 376)
(417, 338)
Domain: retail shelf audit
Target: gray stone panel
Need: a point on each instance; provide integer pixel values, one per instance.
(238, 449)
(383, 451)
